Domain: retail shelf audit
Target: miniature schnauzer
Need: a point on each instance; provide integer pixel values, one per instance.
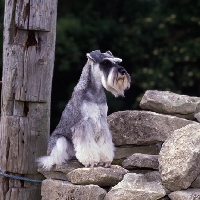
(83, 129)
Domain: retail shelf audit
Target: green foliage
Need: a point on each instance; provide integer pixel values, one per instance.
(158, 41)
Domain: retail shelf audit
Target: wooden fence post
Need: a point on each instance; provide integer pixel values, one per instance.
(28, 60)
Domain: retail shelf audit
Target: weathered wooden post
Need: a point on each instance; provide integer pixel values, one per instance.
(28, 59)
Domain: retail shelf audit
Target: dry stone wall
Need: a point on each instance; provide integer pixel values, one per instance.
(157, 156)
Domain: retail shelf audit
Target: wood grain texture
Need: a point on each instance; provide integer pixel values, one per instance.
(28, 60)
(31, 55)
(34, 14)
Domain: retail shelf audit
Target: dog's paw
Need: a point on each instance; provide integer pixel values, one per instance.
(88, 160)
(105, 164)
(91, 165)
(88, 157)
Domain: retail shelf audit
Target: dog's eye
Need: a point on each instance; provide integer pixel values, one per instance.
(105, 62)
(121, 70)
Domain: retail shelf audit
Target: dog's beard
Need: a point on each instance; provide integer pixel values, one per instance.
(116, 83)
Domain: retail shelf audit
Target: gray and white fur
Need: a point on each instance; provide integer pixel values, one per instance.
(83, 130)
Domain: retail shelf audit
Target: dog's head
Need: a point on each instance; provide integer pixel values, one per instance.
(114, 77)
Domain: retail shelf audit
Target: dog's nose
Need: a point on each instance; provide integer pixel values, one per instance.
(121, 70)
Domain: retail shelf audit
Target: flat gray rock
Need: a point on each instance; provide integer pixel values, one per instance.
(179, 159)
(98, 175)
(126, 151)
(189, 194)
(141, 161)
(62, 190)
(170, 103)
(138, 187)
(143, 127)
(60, 171)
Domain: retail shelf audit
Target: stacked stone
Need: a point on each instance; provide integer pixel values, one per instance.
(157, 156)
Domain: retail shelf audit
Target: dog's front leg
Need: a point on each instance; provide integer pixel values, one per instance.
(87, 150)
(106, 145)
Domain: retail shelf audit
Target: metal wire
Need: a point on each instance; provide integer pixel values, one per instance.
(20, 178)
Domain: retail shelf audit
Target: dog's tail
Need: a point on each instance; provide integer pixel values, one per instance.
(61, 152)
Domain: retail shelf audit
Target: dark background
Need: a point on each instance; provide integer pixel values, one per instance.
(158, 40)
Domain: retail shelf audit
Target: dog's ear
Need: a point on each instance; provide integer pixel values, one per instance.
(95, 56)
(99, 57)
(109, 52)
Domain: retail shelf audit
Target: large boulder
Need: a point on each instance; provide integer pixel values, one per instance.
(98, 175)
(170, 103)
(62, 190)
(189, 194)
(179, 159)
(143, 127)
(138, 187)
(141, 161)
